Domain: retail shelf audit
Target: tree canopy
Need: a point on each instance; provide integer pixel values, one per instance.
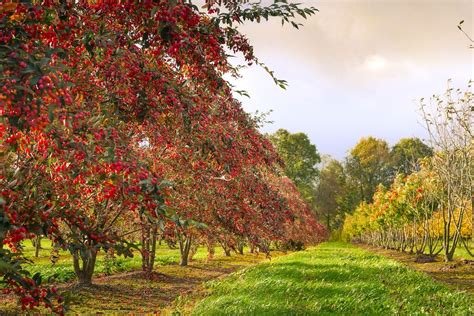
(300, 158)
(117, 121)
(406, 154)
(367, 165)
(330, 193)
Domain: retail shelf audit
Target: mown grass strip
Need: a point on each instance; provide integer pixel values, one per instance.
(333, 278)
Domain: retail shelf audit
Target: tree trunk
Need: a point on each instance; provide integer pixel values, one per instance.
(154, 236)
(184, 248)
(148, 252)
(37, 243)
(2, 237)
(328, 222)
(145, 242)
(193, 250)
(252, 248)
(240, 248)
(226, 250)
(210, 251)
(87, 258)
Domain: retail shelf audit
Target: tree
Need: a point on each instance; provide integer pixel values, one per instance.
(367, 166)
(449, 120)
(330, 193)
(432, 204)
(406, 154)
(83, 84)
(300, 158)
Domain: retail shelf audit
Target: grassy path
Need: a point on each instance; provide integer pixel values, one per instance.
(333, 278)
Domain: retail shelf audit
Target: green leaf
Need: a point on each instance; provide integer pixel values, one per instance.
(51, 112)
(37, 278)
(35, 80)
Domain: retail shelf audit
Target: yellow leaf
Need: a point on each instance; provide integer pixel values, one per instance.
(8, 7)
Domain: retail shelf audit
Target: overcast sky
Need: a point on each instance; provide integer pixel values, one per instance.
(358, 67)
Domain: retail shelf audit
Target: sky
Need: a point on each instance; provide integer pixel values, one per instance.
(358, 68)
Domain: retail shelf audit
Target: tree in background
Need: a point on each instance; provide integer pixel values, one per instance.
(330, 194)
(429, 210)
(406, 154)
(300, 158)
(342, 186)
(367, 165)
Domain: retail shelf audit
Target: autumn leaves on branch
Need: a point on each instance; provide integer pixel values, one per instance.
(117, 128)
(430, 210)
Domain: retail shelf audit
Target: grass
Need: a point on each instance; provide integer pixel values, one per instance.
(64, 271)
(171, 286)
(461, 252)
(458, 273)
(333, 278)
(128, 290)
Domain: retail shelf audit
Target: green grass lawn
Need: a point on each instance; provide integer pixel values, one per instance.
(63, 270)
(333, 278)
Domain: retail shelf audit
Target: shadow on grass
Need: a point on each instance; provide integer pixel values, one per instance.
(457, 274)
(300, 288)
(341, 280)
(138, 292)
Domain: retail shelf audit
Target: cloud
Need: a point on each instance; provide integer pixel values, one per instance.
(375, 63)
(356, 68)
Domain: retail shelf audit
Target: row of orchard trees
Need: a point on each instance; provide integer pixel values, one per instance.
(431, 210)
(117, 128)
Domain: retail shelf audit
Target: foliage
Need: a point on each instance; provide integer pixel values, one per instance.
(449, 120)
(367, 165)
(406, 154)
(101, 102)
(408, 216)
(300, 158)
(331, 193)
